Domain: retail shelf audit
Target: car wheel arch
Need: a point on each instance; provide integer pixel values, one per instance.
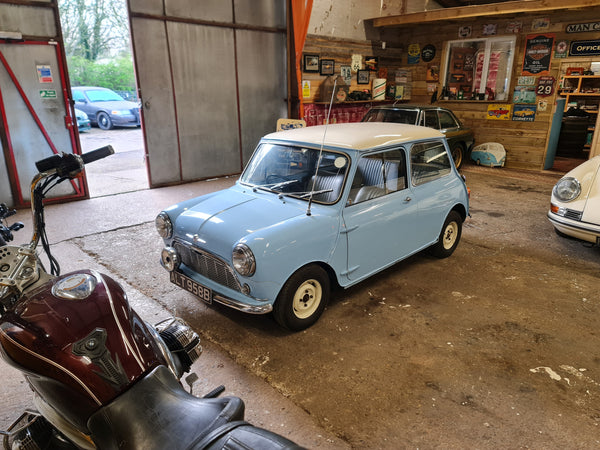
(333, 279)
(303, 296)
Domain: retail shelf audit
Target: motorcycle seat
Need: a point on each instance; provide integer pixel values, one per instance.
(158, 413)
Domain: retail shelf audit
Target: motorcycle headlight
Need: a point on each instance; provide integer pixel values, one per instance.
(164, 226)
(243, 260)
(567, 189)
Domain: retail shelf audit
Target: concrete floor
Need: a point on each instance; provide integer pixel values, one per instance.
(459, 353)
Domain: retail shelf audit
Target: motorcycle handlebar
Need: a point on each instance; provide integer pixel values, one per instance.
(68, 164)
(97, 154)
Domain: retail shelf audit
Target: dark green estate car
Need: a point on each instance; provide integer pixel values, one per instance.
(460, 139)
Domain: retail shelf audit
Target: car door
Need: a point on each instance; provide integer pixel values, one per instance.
(380, 217)
(433, 187)
(449, 126)
(81, 103)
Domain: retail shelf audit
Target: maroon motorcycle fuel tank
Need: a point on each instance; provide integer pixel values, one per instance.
(79, 343)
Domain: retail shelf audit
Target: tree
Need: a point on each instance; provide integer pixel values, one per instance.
(93, 29)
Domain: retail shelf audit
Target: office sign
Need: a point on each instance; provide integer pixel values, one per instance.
(585, 48)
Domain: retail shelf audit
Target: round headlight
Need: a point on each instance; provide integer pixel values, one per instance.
(163, 225)
(243, 260)
(567, 189)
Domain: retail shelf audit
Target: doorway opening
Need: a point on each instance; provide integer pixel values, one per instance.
(97, 44)
(580, 87)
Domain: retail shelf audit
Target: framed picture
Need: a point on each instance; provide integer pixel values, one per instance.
(327, 66)
(311, 63)
(362, 77)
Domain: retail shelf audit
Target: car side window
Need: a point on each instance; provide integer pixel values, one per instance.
(377, 175)
(78, 96)
(431, 119)
(447, 120)
(428, 161)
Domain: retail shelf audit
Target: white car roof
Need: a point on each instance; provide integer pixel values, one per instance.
(359, 136)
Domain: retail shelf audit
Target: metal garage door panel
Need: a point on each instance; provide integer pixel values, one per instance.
(154, 78)
(216, 10)
(262, 85)
(147, 6)
(265, 13)
(28, 21)
(28, 143)
(203, 78)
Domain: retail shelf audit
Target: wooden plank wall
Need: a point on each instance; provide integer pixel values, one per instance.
(525, 142)
(341, 51)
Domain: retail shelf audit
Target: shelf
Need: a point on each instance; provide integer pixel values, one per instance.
(581, 94)
(576, 90)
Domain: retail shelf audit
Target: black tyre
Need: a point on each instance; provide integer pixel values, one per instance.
(104, 121)
(302, 298)
(449, 236)
(458, 155)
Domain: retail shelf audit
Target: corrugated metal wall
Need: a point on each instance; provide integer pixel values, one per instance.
(212, 77)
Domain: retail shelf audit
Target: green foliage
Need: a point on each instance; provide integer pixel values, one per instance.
(116, 74)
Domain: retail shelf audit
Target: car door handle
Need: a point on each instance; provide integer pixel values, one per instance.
(407, 199)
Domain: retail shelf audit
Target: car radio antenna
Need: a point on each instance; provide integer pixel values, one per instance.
(312, 189)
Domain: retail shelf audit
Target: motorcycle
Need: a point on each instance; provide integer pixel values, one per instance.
(102, 377)
(6, 231)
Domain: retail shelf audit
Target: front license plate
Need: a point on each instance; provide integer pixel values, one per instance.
(203, 293)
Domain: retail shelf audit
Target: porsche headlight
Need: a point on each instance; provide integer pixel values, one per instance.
(567, 189)
(164, 226)
(243, 260)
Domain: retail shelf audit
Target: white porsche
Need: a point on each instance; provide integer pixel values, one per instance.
(575, 204)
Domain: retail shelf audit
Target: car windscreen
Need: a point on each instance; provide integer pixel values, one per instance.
(98, 95)
(297, 172)
(408, 116)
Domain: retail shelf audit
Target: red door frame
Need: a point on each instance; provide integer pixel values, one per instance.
(81, 188)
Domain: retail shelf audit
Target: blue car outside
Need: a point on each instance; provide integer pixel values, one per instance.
(105, 108)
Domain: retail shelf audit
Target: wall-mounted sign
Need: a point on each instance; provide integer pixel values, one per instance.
(538, 53)
(529, 81)
(464, 32)
(305, 88)
(545, 86)
(562, 49)
(499, 112)
(524, 113)
(583, 27)
(356, 63)
(428, 53)
(489, 29)
(585, 48)
(346, 72)
(44, 74)
(514, 27)
(540, 24)
(524, 94)
(48, 93)
(414, 53)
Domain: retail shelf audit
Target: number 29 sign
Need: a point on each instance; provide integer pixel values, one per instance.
(545, 86)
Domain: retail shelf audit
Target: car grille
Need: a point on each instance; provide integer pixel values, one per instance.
(207, 265)
(573, 215)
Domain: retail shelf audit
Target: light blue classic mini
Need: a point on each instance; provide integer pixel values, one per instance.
(315, 207)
